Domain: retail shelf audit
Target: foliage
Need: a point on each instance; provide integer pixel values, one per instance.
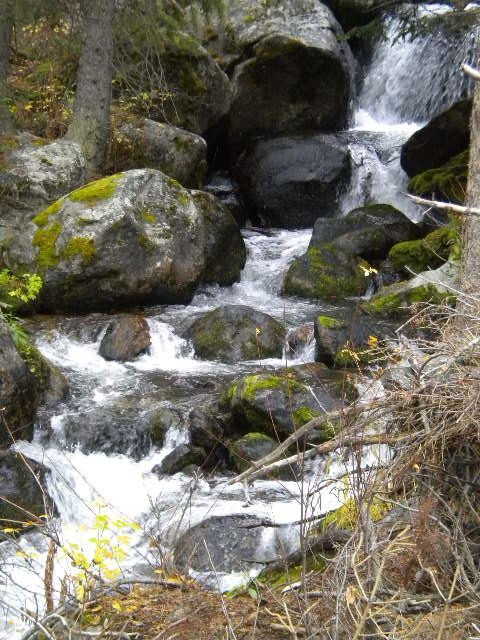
(17, 291)
(108, 546)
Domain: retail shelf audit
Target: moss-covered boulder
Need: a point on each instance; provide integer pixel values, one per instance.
(133, 238)
(23, 495)
(367, 232)
(27, 380)
(448, 182)
(295, 72)
(292, 180)
(349, 341)
(235, 332)
(447, 135)
(434, 287)
(326, 272)
(32, 174)
(147, 144)
(278, 403)
(429, 252)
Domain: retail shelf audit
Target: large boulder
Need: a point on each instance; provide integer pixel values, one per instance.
(147, 144)
(434, 287)
(277, 404)
(326, 272)
(125, 339)
(334, 265)
(27, 380)
(291, 181)
(368, 232)
(295, 73)
(447, 135)
(23, 495)
(235, 332)
(32, 174)
(199, 92)
(224, 544)
(133, 238)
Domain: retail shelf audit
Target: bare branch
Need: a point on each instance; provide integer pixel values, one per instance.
(446, 206)
(471, 71)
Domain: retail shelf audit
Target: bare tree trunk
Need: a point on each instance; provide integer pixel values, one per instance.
(471, 224)
(6, 27)
(91, 112)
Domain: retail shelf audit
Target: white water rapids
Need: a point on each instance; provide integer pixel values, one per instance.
(125, 486)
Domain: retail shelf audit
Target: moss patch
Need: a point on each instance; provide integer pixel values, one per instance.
(393, 301)
(45, 239)
(96, 191)
(80, 246)
(448, 182)
(327, 322)
(418, 255)
(43, 218)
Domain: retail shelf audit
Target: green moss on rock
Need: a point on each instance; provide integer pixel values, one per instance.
(393, 301)
(429, 252)
(43, 218)
(330, 323)
(80, 246)
(448, 182)
(45, 239)
(96, 191)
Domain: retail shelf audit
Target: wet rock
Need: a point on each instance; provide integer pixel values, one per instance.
(300, 338)
(433, 286)
(326, 272)
(27, 380)
(22, 489)
(355, 13)
(234, 333)
(447, 135)
(32, 174)
(276, 404)
(223, 544)
(251, 447)
(164, 419)
(132, 238)
(368, 231)
(125, 339)
(206, 426)
(120, 428)
(350, 341)
(182, 456)
(290, 181)
(295, 73)
(222, 187)
(178, 153)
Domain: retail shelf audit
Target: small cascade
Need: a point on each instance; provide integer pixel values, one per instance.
(413, 78)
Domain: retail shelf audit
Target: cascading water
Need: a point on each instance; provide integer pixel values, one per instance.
(398, 94)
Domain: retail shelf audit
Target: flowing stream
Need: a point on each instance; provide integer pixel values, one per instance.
(398, 96)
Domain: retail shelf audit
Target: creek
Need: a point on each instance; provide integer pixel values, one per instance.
(406, 84)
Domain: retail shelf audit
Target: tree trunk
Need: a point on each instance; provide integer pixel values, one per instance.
(6, 27)
(91, 112)
(471, 224)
